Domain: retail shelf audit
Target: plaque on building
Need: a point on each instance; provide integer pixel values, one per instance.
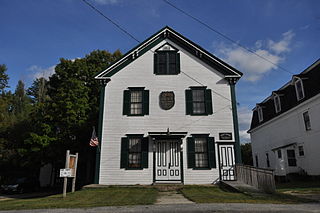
(166, 100)
(225, 136)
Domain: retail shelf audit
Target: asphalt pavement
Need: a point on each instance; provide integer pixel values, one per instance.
(177, 208)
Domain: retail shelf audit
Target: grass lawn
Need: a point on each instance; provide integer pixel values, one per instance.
(111, 196)
(214, 194)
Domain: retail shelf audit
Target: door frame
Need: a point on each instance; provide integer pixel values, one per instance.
(180, 141)
(219, 143)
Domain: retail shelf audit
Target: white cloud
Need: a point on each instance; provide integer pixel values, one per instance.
(282, 45)
(253, 66)
(39, 72)
(107, 1)
(244, 115)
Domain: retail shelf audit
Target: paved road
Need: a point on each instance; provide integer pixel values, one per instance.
(177, 208)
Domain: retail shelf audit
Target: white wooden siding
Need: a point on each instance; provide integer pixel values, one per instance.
(286, 129)
(140, 74)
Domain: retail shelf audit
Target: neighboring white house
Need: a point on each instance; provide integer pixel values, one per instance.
(285, 127)
(167, 115)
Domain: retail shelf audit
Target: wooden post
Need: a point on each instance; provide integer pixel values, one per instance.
(75, 174)
(65, 179)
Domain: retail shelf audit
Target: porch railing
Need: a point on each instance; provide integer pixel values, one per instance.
(262, 179)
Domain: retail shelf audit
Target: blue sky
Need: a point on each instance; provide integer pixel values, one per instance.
(35, 34)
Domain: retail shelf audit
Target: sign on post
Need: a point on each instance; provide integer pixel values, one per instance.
(70, 171)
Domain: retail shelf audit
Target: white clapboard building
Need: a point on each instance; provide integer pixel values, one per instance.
(285, 127)
(167, 115)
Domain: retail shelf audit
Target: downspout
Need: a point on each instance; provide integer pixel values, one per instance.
(103, 84)
(232, 82)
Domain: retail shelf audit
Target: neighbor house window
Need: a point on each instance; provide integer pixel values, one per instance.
(136, 102)
(257, 161)
(198, 101)
(277, 103)
(306, 119)
(166, 61)
(299, 89)
(279, 154)
(134, 152)
(301, 150)
(268, 161)
(260, 113)
(201, 152)
(292, 161)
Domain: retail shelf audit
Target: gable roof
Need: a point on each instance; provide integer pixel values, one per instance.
(287, 94)
(175, 37)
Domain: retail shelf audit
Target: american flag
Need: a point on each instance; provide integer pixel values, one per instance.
(94, 139)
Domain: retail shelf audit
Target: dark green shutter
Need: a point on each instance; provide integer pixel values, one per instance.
(189, 107)
(190, 152)
(155, 64)
(211, 153)
(146, 102)
(124, 153)
(144, 152)
(126, 102)
(178, 63)
(208, 101)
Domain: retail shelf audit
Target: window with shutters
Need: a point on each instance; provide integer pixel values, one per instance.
(201, 152)
(166, 61)
(198, 101)
(134, 152)
(136, 102)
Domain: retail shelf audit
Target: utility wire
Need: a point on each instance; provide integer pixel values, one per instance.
(225, 36)
(137, 40)
(110, 20)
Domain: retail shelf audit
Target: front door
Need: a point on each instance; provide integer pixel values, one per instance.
(168, 160)
(227, 161)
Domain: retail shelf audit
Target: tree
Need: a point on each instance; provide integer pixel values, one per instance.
(39, 90)
(246, 154)
(3, 77)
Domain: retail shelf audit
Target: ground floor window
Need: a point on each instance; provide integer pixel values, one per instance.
(268, 161)
(201, 152)
(292, 161)
(301, 150)
(134, 153)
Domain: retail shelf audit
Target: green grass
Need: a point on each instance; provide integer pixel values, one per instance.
(111, 196)
(214, 194)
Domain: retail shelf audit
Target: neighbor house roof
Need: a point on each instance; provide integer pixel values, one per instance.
(175, 37)
(310, 78)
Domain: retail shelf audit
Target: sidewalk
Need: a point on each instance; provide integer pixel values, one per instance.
(177, 208)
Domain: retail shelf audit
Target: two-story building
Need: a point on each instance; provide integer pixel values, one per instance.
(167, 115)
(285, 127)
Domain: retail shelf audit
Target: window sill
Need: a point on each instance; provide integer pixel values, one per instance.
(199, 114)
(133, 169)
(140, 115)
(202, 168)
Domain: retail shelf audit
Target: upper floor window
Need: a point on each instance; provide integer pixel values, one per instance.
(198, 101)
(277, 103)
(299, 89)
(260, 113)
(306, 119)
(136, 102)
(301, 151)
(166, 61)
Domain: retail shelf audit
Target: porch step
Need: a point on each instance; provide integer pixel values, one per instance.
(165, 187)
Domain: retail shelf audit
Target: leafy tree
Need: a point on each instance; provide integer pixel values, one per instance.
(246, 154)
(39, 90)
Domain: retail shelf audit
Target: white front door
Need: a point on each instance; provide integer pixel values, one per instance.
(227, 161)
(168, 160)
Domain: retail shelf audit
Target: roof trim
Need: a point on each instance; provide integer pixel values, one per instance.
(170, 34)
